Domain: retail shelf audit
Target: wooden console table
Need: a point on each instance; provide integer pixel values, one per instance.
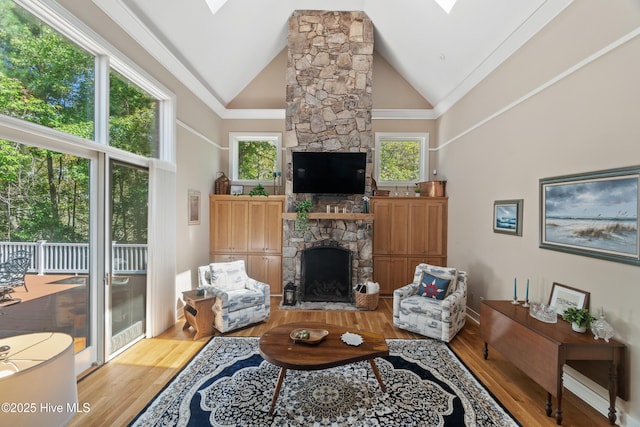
(541, 349)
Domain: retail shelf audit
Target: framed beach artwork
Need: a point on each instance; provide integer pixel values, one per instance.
(593, 214)
(507, 216)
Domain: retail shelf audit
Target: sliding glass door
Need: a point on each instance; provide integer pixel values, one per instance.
(127, 256)
(46, 207)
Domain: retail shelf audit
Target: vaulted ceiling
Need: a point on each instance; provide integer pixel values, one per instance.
(217, 47)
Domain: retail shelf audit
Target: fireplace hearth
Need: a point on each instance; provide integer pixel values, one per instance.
(326, 274)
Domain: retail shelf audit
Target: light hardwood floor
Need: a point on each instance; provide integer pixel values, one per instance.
(117, 391)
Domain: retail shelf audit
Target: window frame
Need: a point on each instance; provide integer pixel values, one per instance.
(108, 57)
(235, 138)
(423, 141)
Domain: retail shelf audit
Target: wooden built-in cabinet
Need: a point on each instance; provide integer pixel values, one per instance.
(407, 231)
(249, 228)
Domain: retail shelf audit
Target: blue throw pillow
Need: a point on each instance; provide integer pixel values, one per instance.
(433, 287)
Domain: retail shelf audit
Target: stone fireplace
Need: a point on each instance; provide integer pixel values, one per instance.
(328, 108)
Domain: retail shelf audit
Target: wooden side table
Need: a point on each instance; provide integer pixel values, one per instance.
(198, 313)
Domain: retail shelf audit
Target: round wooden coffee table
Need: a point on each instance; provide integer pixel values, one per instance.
(277, 348)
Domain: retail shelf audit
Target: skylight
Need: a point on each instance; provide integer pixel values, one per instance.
(446, 5)
(215, 5)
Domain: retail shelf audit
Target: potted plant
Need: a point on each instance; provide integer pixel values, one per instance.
(303, 207)
(580, 318)
(258, 190)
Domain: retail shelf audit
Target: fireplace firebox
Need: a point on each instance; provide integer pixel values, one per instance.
(326, 274)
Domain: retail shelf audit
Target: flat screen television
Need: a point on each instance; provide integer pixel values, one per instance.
(329, 172)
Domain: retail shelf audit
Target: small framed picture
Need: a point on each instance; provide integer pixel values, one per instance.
(507, 216)
(563, 297)
(193, 207)
(237, 189)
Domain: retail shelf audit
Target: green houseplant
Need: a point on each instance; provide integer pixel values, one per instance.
(580, 318)
(258, 190)
(303, 207)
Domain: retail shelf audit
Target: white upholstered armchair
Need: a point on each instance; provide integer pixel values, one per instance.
(240, 300)
(434, 304)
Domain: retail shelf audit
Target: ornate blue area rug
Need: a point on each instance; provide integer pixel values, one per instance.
(228, 384)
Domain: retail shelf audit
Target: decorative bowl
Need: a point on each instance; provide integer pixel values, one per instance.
(308, 336)
(543, 312)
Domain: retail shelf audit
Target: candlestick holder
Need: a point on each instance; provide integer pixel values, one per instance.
(515, 301)
(525, 304)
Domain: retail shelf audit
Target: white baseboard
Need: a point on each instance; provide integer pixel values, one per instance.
(595, 396)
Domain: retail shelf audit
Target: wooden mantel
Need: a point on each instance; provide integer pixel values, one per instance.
(291, 216)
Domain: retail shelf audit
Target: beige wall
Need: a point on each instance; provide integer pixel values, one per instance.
(268, 89)
(585, 121)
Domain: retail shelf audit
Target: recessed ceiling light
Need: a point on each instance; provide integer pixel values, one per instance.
(446, 5)
(215, 5)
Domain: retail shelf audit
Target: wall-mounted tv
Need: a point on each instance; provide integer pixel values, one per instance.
(329, 172)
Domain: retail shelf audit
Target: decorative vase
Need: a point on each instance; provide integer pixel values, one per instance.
(578, 328)
(601, 328)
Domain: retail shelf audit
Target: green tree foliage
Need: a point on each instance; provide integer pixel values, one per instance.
(399, 161)
(132, 117)
(46, 79)
(257, 160)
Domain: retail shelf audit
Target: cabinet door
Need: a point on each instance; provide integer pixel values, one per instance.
(390, 229)
(267, 269)
(265, 226)
(436, 226)
(427, 233)
(228, 226)
(390, 273)
(381, 210)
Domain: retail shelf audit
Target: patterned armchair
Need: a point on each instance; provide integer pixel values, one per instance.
(240, 300)
(433, 305)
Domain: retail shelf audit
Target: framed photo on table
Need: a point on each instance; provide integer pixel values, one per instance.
(563, 297)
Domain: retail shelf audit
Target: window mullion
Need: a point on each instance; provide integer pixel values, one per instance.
(102, 100)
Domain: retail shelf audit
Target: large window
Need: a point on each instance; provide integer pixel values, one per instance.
(133, 117)
(90, 103)
(44, 78)
(254, 157)
(401, 159)
(47, 79)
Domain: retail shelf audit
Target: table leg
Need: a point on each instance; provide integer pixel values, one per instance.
(613, 388)
(374, 367)
(283, 372)
(559, 410)
(485, 351)
(547, 406)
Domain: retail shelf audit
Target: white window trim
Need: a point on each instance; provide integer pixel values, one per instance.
(423, 140)
(236, 137)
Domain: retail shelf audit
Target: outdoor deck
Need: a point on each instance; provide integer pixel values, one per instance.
(54, 302)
